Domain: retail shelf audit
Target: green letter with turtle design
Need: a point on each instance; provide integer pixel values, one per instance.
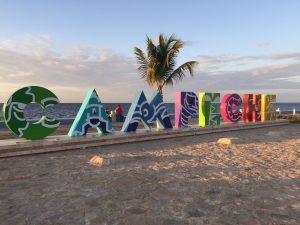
(91, 114)
(13, 113)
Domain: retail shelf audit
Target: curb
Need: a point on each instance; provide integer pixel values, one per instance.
(18, 147)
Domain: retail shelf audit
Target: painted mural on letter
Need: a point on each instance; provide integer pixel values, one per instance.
(147, 113)
(268, 107)
(229, 108)
(251, 111)
(13, 113)
(186, 106)
(209, 109)
(91, 115)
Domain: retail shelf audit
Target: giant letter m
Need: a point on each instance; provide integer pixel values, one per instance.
(147, 113)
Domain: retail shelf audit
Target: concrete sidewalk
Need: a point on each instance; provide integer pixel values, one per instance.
(16, 147)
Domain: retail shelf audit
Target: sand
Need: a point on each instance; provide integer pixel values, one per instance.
(188, 180)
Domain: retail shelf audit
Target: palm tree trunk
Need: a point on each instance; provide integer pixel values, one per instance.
(159, 89)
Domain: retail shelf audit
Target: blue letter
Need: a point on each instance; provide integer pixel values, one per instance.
(141, 110)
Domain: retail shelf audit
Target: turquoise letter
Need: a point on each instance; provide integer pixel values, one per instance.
(91, 114)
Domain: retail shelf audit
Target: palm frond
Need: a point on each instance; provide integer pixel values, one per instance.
(178, 44)
(173, 51)
(171, 39)
(157, 65)
(151, 48)
(161, 40)
(142, 61)
(179, 73)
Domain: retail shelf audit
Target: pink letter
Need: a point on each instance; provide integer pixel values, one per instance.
(228, 113)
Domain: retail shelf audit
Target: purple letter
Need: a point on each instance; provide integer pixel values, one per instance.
(186, 105)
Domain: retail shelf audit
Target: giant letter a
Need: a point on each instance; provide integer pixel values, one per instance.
(91, 115)
(142, 111)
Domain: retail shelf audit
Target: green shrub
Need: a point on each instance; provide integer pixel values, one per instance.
(291, 118)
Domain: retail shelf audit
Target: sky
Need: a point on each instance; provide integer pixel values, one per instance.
(71, 46)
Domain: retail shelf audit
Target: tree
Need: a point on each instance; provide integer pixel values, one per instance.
(159, 66)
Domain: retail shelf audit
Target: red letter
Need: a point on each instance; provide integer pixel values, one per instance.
(251, 108)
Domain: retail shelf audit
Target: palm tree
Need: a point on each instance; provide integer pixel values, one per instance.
(158, 67)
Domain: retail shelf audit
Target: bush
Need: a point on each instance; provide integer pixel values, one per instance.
(291, 118)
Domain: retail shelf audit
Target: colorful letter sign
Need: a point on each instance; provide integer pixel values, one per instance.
(268, 107)
(209, 109)
(141, 110)
(91, 114)
(257, 108)
(186, 106)
(13, 113)
(229, 111)
(251, 108)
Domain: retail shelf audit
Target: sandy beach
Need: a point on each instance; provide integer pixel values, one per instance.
(188, 180)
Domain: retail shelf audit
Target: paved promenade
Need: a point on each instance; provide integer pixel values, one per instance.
(185, 180)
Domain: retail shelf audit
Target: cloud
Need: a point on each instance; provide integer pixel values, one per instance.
(35, 45)
(252, 74)
(68, 73)
(263, 44)
(286, 55)
(20, 74)
(31, 60)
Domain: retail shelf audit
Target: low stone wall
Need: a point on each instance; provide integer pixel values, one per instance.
(16, 147)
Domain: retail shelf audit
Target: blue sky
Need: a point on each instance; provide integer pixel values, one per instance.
(68, 46)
